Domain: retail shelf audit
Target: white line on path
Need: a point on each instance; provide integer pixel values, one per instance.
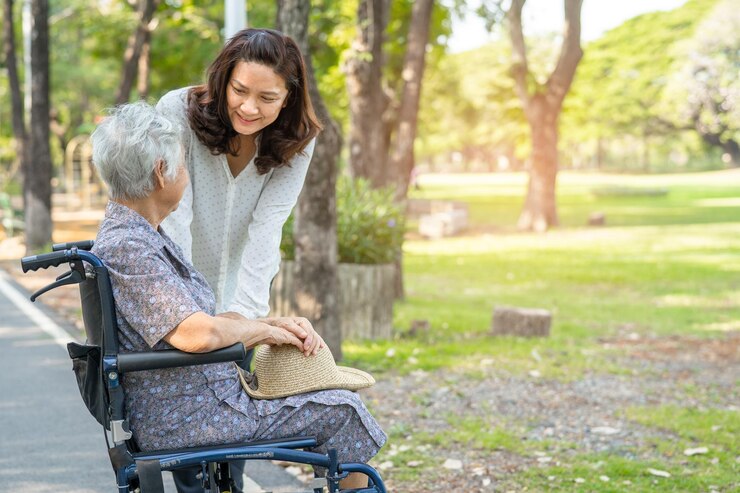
(46, 324)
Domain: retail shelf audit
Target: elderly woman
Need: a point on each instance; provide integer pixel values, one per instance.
(163, 302)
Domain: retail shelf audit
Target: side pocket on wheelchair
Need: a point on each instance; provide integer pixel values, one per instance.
(86, 363)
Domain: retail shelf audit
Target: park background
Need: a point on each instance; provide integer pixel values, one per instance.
(623, 224)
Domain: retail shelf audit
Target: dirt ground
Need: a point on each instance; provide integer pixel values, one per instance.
(567, 418)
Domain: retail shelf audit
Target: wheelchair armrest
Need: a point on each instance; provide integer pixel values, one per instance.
(172, 358)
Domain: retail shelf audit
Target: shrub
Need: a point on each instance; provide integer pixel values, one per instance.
(370, 225)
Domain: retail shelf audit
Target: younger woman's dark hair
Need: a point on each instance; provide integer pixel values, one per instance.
(297, 123)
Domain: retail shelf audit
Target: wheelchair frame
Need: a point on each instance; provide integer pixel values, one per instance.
(142, 470)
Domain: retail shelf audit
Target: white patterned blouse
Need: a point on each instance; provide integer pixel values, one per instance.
(230, 228)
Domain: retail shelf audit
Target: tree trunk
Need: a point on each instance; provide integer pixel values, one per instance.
(142, 85)
(729, 146)
(16, 98)
(540, 209)
(402, 157)
(136, 42)
(368, 146)
(542, 108)
(315, 226)
(732, 148)
(599, 153)
(37, 176)
(645, 157)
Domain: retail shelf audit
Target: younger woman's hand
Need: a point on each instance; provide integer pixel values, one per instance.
(302, 328)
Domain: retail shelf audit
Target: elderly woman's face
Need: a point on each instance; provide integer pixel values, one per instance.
(255, 96)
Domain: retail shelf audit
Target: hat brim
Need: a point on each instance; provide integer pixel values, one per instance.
(347, 379)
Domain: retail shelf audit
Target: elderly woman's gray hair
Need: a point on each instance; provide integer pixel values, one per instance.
(128, 145)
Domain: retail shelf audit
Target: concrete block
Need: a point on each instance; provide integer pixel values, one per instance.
(522, 322)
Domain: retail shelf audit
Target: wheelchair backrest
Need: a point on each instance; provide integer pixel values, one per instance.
(91, 313)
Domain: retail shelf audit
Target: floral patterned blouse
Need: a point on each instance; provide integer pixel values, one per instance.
(155, 289)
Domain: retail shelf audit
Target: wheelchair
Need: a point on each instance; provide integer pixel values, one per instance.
(100, 369)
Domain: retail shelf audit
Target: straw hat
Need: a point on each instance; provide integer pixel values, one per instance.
(280, 371)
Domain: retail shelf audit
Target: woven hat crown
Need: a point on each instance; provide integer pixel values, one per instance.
(280, 371)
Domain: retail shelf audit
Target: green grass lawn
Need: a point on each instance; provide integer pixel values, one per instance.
(666, 263)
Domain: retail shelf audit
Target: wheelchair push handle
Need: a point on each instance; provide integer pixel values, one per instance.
(46, 260)
(81, 245)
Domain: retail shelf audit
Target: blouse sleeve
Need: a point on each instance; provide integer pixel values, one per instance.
(148, 292)
(177, 224)
(261, 256)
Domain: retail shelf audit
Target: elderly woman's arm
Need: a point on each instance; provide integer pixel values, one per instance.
(201, 333)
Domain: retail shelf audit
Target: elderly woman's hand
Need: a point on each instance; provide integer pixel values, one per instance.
(302, 329)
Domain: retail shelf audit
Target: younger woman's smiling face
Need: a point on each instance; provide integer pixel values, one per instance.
(255, 95)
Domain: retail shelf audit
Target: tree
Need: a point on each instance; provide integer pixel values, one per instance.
(542, 105)
(368, 101)
(37, 174)
(136, 56)
(315, 216)
(706, 84)
(402, 155)
(619, 95)
(19, 126)
(384, 73)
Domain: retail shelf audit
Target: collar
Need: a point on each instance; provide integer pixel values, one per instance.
(134, 221)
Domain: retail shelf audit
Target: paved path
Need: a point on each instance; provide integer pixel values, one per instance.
(48, 440)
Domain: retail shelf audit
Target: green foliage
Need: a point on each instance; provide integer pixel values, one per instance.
(470, 104)
(617, 115)
(619, 98)
(370, 225)
(332, 30)
(704, 88)
(623, 73)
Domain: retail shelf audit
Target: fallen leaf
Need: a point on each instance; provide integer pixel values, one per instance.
(453, 464)
(695, 451)
(385, 465)
(659, 473)
(604, 478)
(579, 480)
(604, 430)
(414, 463)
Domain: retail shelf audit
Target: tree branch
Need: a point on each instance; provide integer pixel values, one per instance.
(570, 53)
(519, 67)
